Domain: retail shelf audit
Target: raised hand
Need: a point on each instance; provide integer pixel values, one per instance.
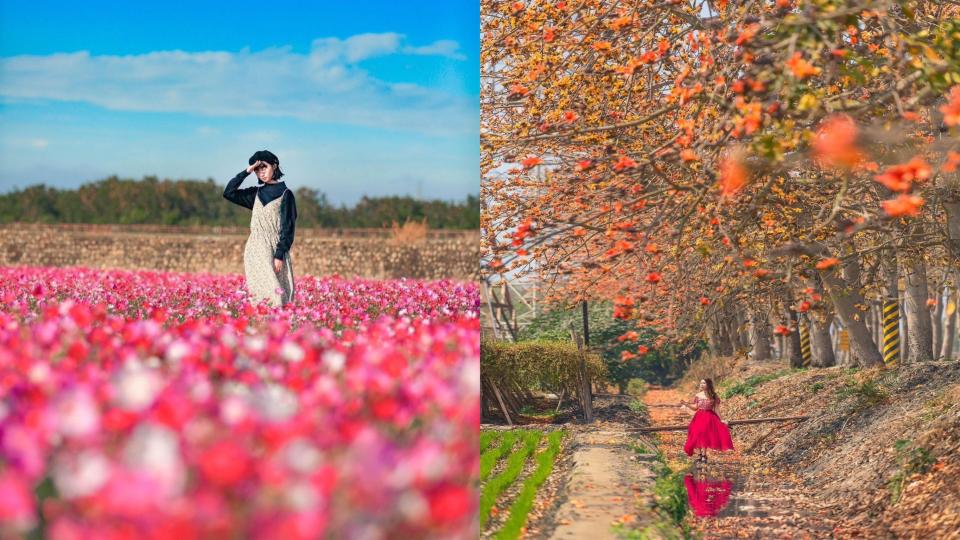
(254, 166)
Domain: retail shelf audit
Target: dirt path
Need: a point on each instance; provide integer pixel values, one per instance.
(605, 486)
(763, 503)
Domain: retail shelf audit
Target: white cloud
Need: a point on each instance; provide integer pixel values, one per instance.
(324, 85)
(443, 47)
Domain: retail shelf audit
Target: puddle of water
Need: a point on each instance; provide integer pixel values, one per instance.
(707, 496)
(721, 491)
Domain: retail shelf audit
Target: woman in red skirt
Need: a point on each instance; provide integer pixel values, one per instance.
(706, 430)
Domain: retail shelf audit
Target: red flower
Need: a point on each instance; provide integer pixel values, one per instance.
(953, 160)
(901, 177)
(733, 176)
(225, 463)
(531, 162)
(904, 205)
(623, 307)
(800, 68)
(653, 277)
(951, 111)
(835, 144)
(450, 504)
(624, 163)
(828, 263)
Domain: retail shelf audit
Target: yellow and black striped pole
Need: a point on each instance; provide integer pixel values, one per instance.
(891, 331)
(805, 344)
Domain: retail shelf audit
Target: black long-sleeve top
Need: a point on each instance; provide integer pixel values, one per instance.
(267, 192)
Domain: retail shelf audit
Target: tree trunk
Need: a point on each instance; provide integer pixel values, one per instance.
(845, 297)
(725, 345)
(743, 337)
(936, 319)
(950, 333)
(820, 341)
(713, 337)
(585, 391)
(796, 357)
(759, 334)
(919, 331)
(952, 210)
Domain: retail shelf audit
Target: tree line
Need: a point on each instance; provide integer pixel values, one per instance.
(153, 201)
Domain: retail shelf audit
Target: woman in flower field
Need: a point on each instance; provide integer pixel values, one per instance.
(266, 257)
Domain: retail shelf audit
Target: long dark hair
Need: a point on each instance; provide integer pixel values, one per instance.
(711, 393)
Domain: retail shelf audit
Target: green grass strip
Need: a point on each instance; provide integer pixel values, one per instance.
(489, 437)
(520, 509)
(489, 459)
(749, 386)
(502, 481)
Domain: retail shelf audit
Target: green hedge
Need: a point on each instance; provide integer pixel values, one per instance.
(541, 365)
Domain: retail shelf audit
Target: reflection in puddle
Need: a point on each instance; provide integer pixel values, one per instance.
(707, 496)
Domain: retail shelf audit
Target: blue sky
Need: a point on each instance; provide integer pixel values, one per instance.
(356, 98)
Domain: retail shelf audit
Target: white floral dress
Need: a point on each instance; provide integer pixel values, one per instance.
(263, 282)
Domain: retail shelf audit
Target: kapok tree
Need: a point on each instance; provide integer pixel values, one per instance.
(714, 167)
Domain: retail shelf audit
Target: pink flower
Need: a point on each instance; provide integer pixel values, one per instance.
(17, 506)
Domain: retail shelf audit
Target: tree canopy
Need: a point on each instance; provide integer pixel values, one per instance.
(712, 166)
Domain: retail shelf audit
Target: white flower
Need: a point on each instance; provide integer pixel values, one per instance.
(256, 343)
(275, 403)
(39, 373)
(177, 350)
(302, 496)
(334, 359)
(82, 474)
(137, 387)
(291, 352)
(302, 456)
(154, 449)
(77, 414)
(412, 505)
(233, 410)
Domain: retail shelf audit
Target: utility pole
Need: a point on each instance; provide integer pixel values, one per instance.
(586, 325)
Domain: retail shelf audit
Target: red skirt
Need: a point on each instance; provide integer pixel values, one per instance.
(707, 497)
(706, 430)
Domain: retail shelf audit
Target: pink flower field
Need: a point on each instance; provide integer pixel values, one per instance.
(140, 404)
